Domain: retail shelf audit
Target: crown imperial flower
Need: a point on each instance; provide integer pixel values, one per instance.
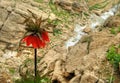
(35, 41)
(38, 37)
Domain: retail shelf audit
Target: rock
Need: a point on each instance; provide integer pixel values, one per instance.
(9, 9)
(86, 38)
(75, 79)
(112, 22)
(101, 81)
(77, 7)
(87, 30)
(23, 10)
(61, 49)
(3, 15)
(13, 18)
(88, 78)
(13, 29)
(6, 3)
(66, 5)
(13, 38)
(35, 4)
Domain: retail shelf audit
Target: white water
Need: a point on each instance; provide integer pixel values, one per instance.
(95, 21)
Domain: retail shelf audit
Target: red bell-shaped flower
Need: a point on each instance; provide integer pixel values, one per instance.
(35, 41)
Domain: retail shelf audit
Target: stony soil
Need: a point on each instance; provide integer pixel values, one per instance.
(83, 63)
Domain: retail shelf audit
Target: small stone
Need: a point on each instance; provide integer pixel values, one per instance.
(87, 30)
(75, 79)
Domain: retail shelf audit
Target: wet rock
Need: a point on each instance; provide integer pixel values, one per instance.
(87, 30)
(75, 79)
(86, 38)
(113, 22)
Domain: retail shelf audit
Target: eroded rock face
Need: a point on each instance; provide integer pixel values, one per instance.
(12, 15)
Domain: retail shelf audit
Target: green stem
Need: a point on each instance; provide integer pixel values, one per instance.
(35, 65)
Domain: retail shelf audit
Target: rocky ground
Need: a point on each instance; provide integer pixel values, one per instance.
(83, 63)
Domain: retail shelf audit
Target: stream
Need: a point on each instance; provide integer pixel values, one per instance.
(95, 21)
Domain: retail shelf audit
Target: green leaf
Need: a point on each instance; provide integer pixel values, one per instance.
(113, 56)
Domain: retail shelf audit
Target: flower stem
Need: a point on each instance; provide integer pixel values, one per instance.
(35, 65)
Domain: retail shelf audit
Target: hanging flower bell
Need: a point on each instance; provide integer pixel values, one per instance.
(35, 41)
(38, 37)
